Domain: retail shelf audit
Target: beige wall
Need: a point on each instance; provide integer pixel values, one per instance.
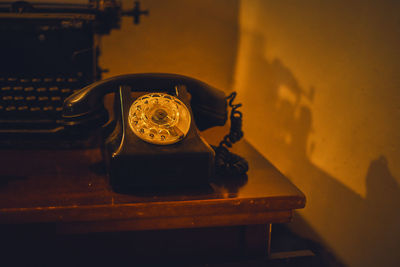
(195, 38)
(320, 85)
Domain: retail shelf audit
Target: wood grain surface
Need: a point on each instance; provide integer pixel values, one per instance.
(70, 188)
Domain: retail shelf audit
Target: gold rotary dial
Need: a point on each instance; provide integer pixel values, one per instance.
(159, 118)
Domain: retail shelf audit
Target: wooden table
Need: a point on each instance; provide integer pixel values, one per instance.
(68, 190)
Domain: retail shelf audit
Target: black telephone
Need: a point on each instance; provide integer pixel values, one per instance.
(153, 140)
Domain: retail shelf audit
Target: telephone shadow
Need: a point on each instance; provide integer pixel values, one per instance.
(282, 123)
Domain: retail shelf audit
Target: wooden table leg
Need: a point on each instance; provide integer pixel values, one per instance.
(257, 240)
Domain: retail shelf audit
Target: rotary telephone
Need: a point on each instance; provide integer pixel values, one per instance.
(153, 140)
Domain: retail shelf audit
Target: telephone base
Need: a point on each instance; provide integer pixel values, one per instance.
(161, 170)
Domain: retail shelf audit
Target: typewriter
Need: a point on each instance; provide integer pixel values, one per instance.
(48, 51)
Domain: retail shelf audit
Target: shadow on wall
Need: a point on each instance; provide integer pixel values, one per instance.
(360, 232)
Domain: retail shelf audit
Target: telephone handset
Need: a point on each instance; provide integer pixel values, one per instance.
(154, 139)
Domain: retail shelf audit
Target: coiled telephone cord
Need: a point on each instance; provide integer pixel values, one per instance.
(226, 162)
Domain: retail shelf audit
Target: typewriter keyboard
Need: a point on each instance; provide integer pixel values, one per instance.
(24, 100)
